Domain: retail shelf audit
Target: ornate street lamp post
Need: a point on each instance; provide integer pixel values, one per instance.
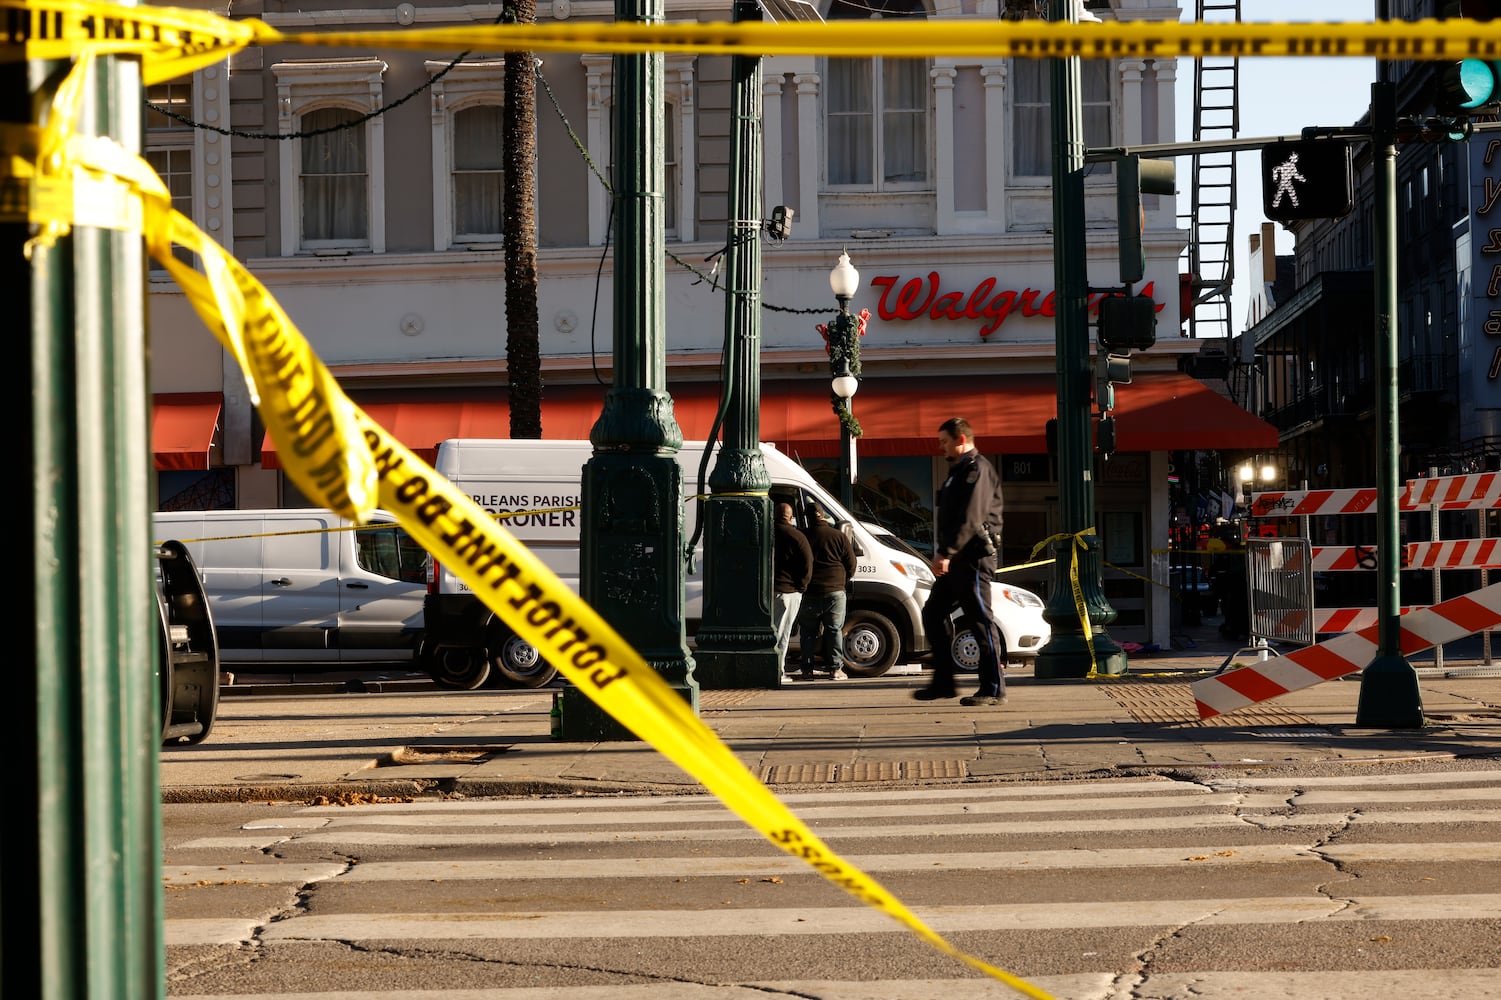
(844, 366)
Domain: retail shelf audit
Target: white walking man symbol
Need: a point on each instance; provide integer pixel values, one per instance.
(1284, 174)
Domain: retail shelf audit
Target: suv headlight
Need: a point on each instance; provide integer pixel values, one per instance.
(915, 570)
(1022, 598)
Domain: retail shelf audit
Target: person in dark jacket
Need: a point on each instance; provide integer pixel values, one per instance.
(824, 600)
(964, 563)
(791, 568)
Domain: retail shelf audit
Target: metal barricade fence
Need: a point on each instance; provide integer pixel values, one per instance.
(1279, 594)
(1279, 585)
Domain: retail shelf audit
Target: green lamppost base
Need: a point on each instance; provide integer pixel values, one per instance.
(722, 669)
(586, 722)
(1068, 657)
(1389, 696)
(735, 642)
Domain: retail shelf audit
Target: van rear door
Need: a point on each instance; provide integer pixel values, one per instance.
(227, 552)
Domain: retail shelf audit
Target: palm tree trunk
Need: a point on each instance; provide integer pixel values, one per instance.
(523, 364)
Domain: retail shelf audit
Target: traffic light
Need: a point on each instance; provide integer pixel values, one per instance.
(1135, 177)
(1431, 128)
(1468, 86)
(1104, 436)
(1109, 370)
(1311, 179)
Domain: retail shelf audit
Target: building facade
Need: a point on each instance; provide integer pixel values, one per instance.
(362, 187)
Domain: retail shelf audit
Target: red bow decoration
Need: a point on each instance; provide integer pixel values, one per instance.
(823, 328)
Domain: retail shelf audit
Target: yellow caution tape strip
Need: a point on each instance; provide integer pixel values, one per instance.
(175, 41)
(343, 460)
(1073, 578)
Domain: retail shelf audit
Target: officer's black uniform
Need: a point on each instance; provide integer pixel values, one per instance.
(969, 535)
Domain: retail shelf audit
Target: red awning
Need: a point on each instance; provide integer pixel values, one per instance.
(183, 425)
(1162, 411)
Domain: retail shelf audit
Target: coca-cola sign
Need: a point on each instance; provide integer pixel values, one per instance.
(925, 298)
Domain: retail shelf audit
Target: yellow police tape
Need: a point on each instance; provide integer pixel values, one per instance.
(342, 459)
(1079, 542)
(177, 40)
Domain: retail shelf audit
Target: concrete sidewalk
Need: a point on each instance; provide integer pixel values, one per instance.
(405, 737)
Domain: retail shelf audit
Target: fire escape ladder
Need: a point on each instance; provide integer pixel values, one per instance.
(1211, 221)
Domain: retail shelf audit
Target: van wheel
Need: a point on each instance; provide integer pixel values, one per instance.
(458, 668)
(518, 661)
(871, 643)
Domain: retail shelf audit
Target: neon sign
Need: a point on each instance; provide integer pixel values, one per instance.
(924, 298)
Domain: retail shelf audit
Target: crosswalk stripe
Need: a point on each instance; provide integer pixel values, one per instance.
(1110, 824)
(780, 865)
(442, 814)
(806, 921)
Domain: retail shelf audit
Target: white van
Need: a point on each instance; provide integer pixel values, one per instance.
(305, 585)
(465, 640)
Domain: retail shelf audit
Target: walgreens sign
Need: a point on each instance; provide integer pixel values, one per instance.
(926, 298)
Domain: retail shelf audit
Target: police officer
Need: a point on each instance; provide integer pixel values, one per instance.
(964, 563)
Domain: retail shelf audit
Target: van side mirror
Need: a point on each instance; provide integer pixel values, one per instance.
(849, 532)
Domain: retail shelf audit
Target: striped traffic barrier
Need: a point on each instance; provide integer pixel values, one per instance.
(1478, 491)
(1454, 553)
(1419, 629)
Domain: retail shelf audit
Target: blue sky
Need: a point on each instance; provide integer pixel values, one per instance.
(1277, 97)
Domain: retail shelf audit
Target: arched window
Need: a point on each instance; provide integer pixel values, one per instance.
(876, 110)
(478, 173)
(333, 173)
(335, 188)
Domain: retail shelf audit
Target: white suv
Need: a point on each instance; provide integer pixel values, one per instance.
(1018, 614)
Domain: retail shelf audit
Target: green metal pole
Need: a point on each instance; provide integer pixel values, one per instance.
(844, 345)
(1068, 652)
(735, 643)
(1389, 695)
(632, 558)
(83, 899)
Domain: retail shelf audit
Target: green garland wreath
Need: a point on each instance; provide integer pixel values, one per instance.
(845, 352)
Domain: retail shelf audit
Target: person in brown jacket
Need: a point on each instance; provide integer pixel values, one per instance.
(824, 601)
(791, 568)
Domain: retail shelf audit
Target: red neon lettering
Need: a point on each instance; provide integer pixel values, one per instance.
(920, 298)
(902, 306)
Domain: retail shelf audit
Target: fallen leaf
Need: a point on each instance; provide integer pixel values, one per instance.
(774, 879)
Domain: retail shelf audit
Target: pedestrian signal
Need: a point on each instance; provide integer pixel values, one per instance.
(1306, 180)
(1127, 322)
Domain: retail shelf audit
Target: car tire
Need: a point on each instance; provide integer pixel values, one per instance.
(457, 668)
(871, 643)
(517, 660)
(965, 649)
